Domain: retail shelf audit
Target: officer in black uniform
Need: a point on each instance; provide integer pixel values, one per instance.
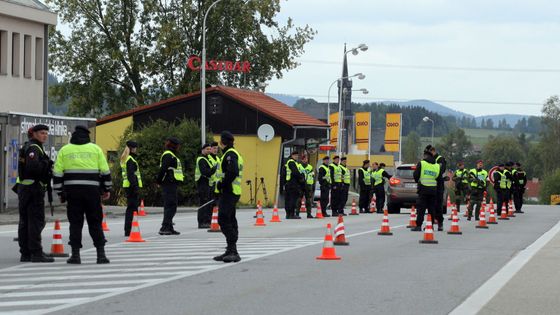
(378, 182)
(292, 188)
(519, 183)
(325, 184)
(441, 182)
(229, 189)
(35, 173)
(499, 187)
(169, 177)
(132, 182)
(203, 173)
(427, 190)
(364, 179)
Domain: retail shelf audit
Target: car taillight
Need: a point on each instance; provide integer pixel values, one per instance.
(394, 181)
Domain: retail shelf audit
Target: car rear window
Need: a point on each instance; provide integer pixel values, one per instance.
(405, 172)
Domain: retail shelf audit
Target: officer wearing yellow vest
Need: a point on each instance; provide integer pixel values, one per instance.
(205, 169)
(292, 187)
(501, 183)
(518, 187)
(230, 173)
(215, 160)
(461, 180)
(477, 179)
(132, 182)
(337, 185)
(308, 186)
(378, 182)
(81, 174)
(301, 190)
(426, 174)
(345, 184)
(364, 180)
(169, 177)
(34, 173)
(325, 181)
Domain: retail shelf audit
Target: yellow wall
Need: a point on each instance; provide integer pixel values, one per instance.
(260, 160)
(109, 134)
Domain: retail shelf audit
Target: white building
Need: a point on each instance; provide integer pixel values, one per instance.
(23, 55)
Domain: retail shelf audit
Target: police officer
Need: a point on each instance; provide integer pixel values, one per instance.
(230, 173)
(378, 177)
(509, 182)
(292, 185)
(518, 187)
(461, 179)
(477, 179)
(440, 185)
(34, 174)
(426, 175)
(345, 186)
(169, 177)
(325, 181)
(500, 186)
(132, 182)
(301, 190)
(364, 180)
(337, 186)
(81, 173)
(204, 170)
(309, 186)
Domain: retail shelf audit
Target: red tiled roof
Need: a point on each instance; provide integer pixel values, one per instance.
(256, 100)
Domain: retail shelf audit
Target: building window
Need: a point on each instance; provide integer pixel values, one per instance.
(15, 54)
(39, 58)
(3, 52)
(27, 56)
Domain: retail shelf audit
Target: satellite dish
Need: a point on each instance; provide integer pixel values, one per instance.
(265, 133)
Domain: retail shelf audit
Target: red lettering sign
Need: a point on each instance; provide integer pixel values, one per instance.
(194, 63)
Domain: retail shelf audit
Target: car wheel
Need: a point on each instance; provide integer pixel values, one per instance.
(394, 208)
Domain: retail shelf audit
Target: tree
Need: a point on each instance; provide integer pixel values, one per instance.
(550, 186)
(489, 123)
(126, 53)
(502, 149)
(411, 148)
(455, 147)
(550, 142)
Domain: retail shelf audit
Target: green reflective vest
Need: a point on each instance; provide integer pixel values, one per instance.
(30, 181)
(505, 183)
(126, 182)
(429, 173)
(197, 173)
(345, 175)
(367, 176)
(377, 177)
(462, 174)
(481, 176)
(508, 181)
(288, 170)
(337, 173)
(309, 174)
(84, 164)
(236, 184)
(177, 172)
(327, 176)
(520, 181)
(215, 161)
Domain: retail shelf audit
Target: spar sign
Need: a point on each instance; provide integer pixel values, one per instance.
(194, 63)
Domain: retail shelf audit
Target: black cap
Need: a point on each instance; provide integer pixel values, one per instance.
(39, 127)
(132, 144)
(226, 135)
(214, 144)
(501, 165)
(366, 161)
(429, 148)
(174, 140)
(81, 128)
(343, 158)
(508, 164)
(382, 164)
(336, 157)
(294, 153)
(326, 157)
(206, 145)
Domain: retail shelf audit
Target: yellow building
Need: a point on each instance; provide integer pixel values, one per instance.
(240, 111)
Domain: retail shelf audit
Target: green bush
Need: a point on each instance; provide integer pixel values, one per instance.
(151, 139)
(550, 186)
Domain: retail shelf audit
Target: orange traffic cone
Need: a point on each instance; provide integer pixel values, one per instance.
(135, 235)
(104, 222)
(448, 201)
(142, 213)
(353, 212)
(275, 216)
(482, 219)
(302, 208)
(57, 248)
(329, 253)
(428, 232)
(511, 213)
(453, 207)
(466, 214)
(319, 214)
(260, 218)
(455, 224)
(385, 228)
(372, 205)
(492, 204)
(214, 225)
(503, 215)
(492, 217)
(340, 237)
(258, 207)
(412, 221)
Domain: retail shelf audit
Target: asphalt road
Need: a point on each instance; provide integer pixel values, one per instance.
(278, 274)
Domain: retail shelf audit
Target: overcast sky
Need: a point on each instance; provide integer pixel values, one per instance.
(497, 38)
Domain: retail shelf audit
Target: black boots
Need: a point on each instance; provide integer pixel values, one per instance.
(231, 255)
(75, 257)
(25, 258)
(101, 258)
(41, 258)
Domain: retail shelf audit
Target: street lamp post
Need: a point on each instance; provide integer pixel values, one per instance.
(426, 119)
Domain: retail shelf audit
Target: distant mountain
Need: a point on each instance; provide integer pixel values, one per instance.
(433, 107)
(511, 119)
(284, 98)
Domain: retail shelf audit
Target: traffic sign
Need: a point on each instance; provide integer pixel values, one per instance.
(491, 174)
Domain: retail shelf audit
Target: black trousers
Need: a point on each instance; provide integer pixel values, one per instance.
(518, 198)
(460, 197)
(169, 205)
(132, 202)
(344, 197)
(379, 192)
(204, 215)
(227, 219)
(324, 201)
(335, 198)
(292, 193)
(84, 201)
(423, 203)
(31, 218)
(502, 198)
(364, 198)
(476, 203)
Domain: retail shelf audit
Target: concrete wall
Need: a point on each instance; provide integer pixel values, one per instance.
(21, 93)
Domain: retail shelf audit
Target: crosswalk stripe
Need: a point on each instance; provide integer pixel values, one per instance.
(70, 284)
(43, 302)
(71, 291)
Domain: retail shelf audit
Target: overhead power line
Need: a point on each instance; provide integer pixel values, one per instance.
(436, 68)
